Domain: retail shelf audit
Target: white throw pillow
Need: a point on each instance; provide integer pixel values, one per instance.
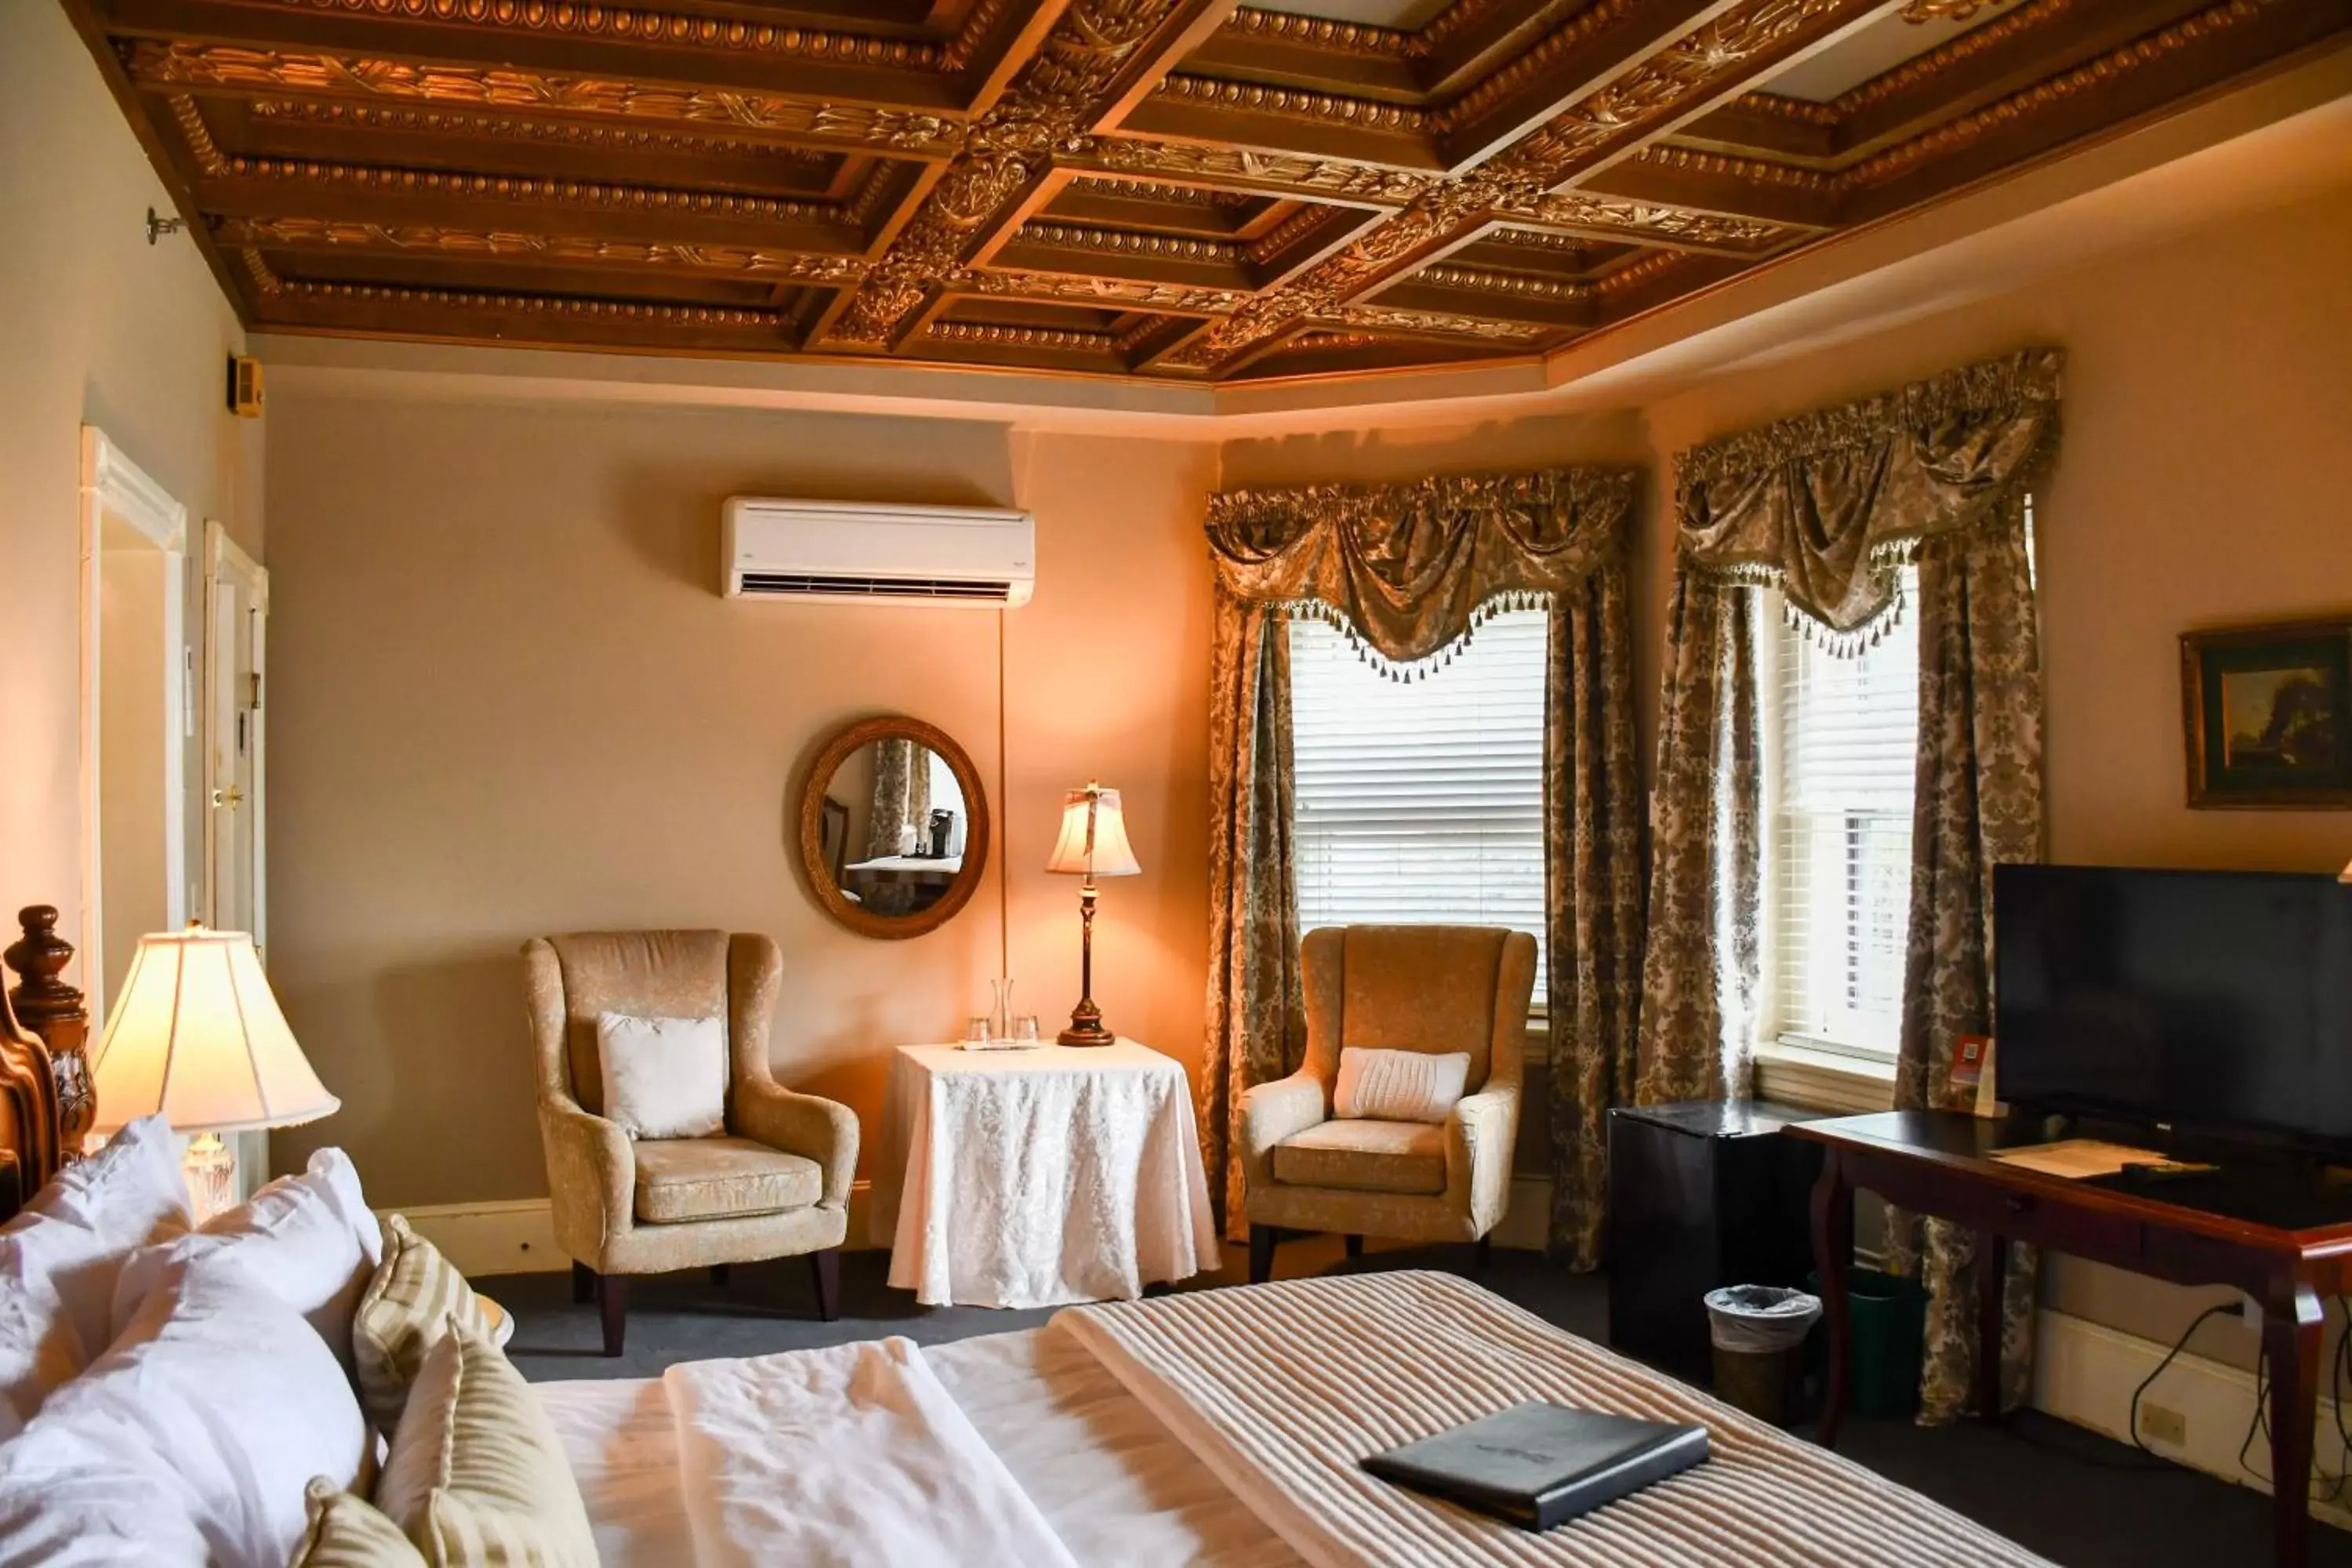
(61, 1257)
(664, 1078)
(1399, 1086)
(190, 1440)
(309, 1240)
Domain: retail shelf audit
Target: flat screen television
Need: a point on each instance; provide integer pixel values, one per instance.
(2214, 1001)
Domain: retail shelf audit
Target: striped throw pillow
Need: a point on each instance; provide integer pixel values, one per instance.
(347, 1532)
(407, 1305)
(477, 1476)
(1399, 1086)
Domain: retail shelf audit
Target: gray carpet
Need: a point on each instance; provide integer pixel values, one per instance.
(2077, 1499)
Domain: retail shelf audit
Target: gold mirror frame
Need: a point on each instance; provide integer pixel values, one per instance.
(838, 750)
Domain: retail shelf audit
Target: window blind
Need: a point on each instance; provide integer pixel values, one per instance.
(1420, 802)
(1848, 738)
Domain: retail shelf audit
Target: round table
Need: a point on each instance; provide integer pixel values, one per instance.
(1040, 1177)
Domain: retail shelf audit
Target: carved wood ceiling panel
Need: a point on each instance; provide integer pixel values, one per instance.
(1171, 189)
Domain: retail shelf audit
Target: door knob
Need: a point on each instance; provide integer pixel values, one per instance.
(231, 796)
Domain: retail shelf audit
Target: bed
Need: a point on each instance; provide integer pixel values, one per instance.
(1216, 1426)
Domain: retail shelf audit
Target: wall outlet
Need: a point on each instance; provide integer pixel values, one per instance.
(2159, 1424)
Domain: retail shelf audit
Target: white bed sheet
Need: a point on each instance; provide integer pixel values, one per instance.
(1116, 1485)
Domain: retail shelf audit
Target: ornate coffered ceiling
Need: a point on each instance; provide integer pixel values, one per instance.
(1181, 190)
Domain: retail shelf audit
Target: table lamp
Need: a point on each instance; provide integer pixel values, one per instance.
(197, 1036)
(1093, 844)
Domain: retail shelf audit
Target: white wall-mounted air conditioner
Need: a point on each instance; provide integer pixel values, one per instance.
(846, 553)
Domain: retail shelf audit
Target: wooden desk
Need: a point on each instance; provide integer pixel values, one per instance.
(2281, 1238)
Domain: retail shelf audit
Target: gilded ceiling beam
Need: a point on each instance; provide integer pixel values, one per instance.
(1099, 54)
(1694, 72)
(202, 70)
(642, 44)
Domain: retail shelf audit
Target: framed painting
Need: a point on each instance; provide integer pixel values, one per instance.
(2267, 715)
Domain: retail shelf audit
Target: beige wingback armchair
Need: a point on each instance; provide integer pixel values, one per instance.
(1439, 989)
(775, 1186)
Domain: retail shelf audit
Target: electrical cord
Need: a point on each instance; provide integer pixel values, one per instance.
(2169, 1357)
(2329, 1488)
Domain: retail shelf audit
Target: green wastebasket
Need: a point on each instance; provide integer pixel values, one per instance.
(1887, 1319)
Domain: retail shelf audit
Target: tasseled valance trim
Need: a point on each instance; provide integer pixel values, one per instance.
(1405, 672)
(1886, 566)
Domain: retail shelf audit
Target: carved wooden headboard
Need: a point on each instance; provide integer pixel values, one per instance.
(46, 1101)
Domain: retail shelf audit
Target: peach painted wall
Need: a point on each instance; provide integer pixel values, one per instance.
(510, 700)
(100, 328)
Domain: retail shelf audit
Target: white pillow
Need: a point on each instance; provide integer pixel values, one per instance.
(191, 1440)
(61, 1257)
(664, 1078)
(309, 1240)
(1399, 1086)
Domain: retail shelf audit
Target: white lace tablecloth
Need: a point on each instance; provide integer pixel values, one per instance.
(1042, 1177)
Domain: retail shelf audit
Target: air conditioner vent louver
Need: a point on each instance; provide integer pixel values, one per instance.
(848, 553)
(789, 582)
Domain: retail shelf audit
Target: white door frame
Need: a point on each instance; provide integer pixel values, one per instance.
(226, 563)
(114, 485)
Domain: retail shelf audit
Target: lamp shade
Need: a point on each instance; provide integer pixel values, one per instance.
(197, 1036)
(1094, 836)
(2346, 875)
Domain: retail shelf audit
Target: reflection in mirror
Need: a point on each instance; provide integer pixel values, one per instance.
(894, 825)
(893, 828)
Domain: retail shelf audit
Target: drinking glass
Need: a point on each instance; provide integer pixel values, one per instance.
(975, 1033)
(1025, 1031)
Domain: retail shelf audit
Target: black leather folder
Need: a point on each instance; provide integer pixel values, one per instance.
(1540, 1464)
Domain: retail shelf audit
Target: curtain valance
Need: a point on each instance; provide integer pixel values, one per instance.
(1408, 565)
(1824, 505)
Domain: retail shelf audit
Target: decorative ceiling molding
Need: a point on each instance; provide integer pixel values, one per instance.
(1186, 190)
(510, 245)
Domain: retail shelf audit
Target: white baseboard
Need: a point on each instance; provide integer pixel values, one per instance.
(2084, 1372)
(510, 1236)
(516, 1235)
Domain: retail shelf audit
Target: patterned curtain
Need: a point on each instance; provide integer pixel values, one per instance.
(1698, 980)
(1408, 571)
(1977, 804)
(1592, 894)
(902, 794)
(1827, 506)
(1258, 1008)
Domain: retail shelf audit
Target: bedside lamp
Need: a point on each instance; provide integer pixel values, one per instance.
(1093, 844)
(197, 1036)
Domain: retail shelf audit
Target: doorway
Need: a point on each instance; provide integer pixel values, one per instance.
(136, 670)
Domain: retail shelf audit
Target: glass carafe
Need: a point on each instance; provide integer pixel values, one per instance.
(1000, 1020)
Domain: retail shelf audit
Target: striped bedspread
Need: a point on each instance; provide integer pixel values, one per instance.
(1282, 1388)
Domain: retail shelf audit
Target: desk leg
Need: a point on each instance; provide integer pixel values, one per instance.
(2291, 1324)
(1992, 1280)
(1833, 1256)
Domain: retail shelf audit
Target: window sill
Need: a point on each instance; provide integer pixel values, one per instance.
(1815, 1079)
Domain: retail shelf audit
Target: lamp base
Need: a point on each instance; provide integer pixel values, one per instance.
(210, 1167)
(1085, 1027)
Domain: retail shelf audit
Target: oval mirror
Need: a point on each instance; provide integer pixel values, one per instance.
(894, 828)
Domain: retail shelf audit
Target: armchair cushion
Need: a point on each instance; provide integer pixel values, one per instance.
(664, 1078)
(1399, 1086)
(720, 1178)
(1365, 1156)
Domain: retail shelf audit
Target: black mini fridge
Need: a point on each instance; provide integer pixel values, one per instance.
(1702, 1194)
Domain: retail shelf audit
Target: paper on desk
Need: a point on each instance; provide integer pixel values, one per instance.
(2077, 1157)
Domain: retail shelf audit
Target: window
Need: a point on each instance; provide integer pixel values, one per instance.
(1847, 740)
(1420, 801)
